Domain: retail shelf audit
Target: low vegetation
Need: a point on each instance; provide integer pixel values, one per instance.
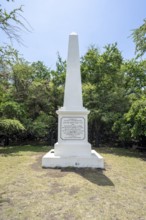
(29, 192)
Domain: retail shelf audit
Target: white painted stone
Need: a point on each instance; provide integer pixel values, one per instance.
(73, 90)
(73, 148)
(93, 161)
(72, 134)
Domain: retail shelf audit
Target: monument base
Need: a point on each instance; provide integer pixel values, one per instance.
(69, 149)
(95, 160)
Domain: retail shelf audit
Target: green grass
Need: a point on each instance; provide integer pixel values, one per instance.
(28, 192)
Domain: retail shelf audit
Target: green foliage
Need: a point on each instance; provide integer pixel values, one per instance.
(41, 125)
(139, 37)
(103, 91)
(22, 78)
(134, 77)
(112, 88)
(114, 91)
(60, 65)
(34, 95)
(136, 117)
(40, 71)
(10, 126)
(132, 125)
(11, 23)
(11, 109)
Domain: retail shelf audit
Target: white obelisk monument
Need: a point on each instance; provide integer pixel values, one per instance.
(73, 148)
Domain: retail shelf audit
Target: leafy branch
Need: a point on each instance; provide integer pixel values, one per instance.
(139, 38)
(13, 23)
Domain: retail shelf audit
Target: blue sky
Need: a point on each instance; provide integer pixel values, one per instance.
(97, 22)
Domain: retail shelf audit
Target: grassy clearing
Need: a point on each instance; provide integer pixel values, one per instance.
(29, 192)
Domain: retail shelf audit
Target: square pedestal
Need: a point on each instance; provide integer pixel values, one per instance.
(95, 160)
(75, 149)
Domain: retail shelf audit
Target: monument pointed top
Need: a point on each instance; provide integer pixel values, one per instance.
(73, 33)
(73, 87)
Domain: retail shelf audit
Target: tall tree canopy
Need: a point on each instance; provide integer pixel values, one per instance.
(139, 37)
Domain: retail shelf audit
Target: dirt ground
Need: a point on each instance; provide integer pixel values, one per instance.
(27, 191)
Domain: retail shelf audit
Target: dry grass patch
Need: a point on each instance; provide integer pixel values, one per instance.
(29, 192)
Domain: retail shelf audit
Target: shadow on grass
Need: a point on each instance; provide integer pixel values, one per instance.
(95, 176)
(122, 152)
(33, 147)
(12, 150)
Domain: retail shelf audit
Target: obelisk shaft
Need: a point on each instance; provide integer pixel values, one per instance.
(73, 89)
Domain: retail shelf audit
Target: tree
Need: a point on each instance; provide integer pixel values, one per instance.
(21, 78)
(136, 117)
(139, 37)
(11, 23)
(39, 91)
(103, 91)
(11, 109)
(132, 126)
(40, 71)
(11, 125)
(134, 78)
(9, 128)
